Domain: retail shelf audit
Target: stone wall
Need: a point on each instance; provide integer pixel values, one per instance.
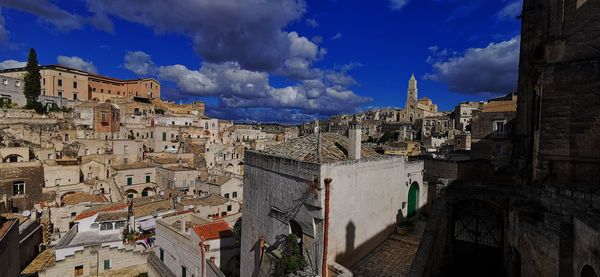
(558, 122)
(367, 199)
(269, 184)
(29, 172)
(123, 262)
(9, 262)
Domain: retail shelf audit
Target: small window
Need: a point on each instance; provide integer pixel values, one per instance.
(162, 255)
(120, 224)
(19, 188)
(74, 84)
(79, 270)
(73, 214)
(164, 137)
(234, 194)
(144, 193)
(130, 195)
(59, 82)
(229, 208)
(227, 195)
(148, 179)
(106, 264)
(499, 148)
(129, 181)
(183, 271)
(106, 226)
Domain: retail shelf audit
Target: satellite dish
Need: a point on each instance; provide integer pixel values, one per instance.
(26, 213)
(96, 192)
(154, 214)
(162, 193)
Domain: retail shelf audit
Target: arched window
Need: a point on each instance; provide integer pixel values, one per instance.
(588, 271)
(106, 226)
(234, 194)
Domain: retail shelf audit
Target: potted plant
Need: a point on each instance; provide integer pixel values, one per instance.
(405, 227)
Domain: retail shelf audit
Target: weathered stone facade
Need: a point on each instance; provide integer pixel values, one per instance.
(540, 215)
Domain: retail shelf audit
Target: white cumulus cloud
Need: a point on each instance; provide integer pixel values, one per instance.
(479, 71)
(77, 63)
(11, 64)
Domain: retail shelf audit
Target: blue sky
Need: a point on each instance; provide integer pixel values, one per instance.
(282, 60)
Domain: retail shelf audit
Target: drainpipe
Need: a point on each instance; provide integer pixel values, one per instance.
(202, 251)
(261, 246)
(326, 229)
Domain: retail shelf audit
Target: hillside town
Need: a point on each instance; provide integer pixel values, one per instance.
(99, 176)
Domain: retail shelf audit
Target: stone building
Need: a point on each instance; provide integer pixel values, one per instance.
(188, 246)
(415, 109)
(463, 113)
(325, 189)
(539, 216)
(20, 239)
(98, 260)
(491, 130)
(21, 185)
(230, 187)
(65, 82)
(135, 180)
(11, 91)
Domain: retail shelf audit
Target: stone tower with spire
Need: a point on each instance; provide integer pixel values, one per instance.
(411, 95)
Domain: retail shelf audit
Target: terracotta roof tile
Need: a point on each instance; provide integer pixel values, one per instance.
(102, 208)
(334, 148)
(213, 230)
(40, 262)
(500, 106)
(111, 216)
(143, 164)
(147, 208)
(4, 228)
(79, 197)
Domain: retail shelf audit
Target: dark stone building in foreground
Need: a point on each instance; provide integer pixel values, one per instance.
(539, 215)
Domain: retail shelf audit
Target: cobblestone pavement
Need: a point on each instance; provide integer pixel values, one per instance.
(391, 258)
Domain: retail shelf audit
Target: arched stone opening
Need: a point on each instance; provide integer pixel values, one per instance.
(130, 193)
(588, 271)
(12, 158)
(148, 191)
(478, 239)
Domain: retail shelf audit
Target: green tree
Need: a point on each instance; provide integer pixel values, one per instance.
(32, 77)
(292, 259)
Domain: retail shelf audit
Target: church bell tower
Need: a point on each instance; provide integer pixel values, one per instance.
(411, 96)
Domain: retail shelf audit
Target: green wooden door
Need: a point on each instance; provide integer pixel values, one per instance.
(413, 199)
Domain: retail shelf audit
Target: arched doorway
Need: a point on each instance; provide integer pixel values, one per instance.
(477, 239)
(588, 271)
(413, 199)
(130, 193)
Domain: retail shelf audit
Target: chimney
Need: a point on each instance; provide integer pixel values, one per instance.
(355, 134)
(182, 223)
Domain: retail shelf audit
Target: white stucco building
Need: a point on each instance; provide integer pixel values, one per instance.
(342, 200)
